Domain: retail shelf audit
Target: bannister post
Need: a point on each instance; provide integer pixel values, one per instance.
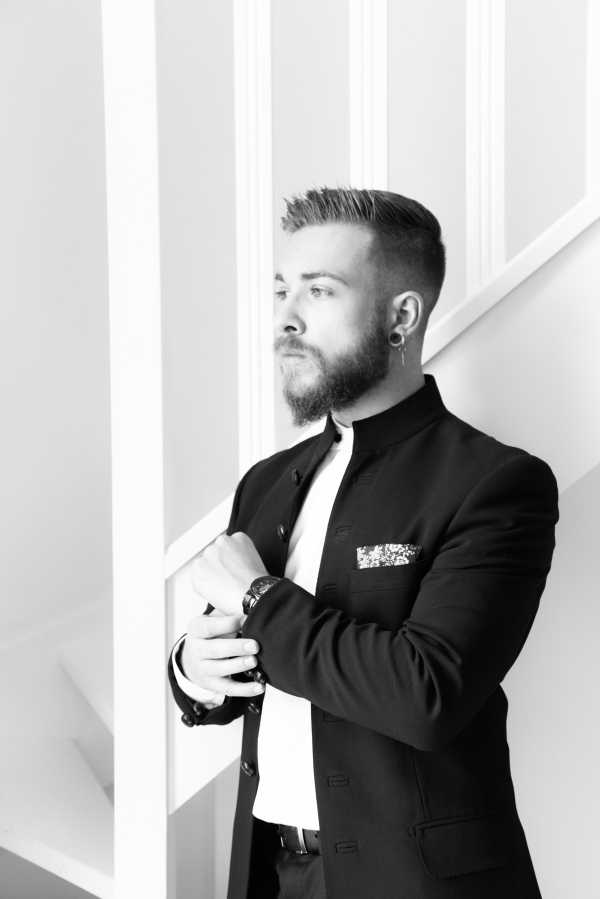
(143, 842)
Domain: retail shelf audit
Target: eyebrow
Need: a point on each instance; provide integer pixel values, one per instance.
(309, 276)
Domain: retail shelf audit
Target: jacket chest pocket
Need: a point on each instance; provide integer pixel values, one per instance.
(385, 594)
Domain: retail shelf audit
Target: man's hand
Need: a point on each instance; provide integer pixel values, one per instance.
(224, 570)
(212, 652)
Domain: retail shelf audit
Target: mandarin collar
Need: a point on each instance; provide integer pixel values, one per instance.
(393, 424)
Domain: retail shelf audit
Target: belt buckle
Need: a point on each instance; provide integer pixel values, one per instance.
(301, 840)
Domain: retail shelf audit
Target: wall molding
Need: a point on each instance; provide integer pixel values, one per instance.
(520, 267)
(183, 550)
(485, 116)
(368, 93)
(593, 98)
(254, 229)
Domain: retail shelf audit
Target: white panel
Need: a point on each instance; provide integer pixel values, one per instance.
(536, 254)
(254, 226)
(197, 166)
(310, 119)
(54, 398)
(527, 371)
(427, 123)
(546, 131)
(485, 252)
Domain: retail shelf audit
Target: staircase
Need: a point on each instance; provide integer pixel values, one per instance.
(56, 807)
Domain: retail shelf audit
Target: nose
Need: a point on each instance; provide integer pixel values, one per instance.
(287, 319)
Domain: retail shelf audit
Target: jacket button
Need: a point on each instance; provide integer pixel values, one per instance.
(200, 711)
(188, 719)
(282, 532)
(254, 707)
(248, 768)
(296, 476)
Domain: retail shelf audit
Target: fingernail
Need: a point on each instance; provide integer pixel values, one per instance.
(251, 646)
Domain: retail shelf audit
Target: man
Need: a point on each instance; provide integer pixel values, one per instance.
(386, 572)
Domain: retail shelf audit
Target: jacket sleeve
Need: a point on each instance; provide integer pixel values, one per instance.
(194, 711)
(423, 683)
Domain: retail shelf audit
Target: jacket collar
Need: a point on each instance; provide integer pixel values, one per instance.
(394, 424)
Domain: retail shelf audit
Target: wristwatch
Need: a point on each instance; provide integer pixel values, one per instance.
(256, 589)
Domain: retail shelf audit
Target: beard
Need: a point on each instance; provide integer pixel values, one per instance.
(341, 381)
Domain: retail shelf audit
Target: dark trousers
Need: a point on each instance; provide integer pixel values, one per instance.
(277, 873)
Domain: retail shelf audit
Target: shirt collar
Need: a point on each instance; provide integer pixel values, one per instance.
(395, 423)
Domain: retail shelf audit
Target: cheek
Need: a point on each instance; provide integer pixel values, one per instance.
(338, 329)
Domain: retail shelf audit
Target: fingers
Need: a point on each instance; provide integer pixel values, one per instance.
(213, 651)
(206, 626)
(217, 638)
(237, 688)
(214, 675)
(223, 667)
(224, 648)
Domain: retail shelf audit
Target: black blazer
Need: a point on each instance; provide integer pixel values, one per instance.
(402, 664)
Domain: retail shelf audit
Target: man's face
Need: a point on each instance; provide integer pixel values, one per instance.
(338, 326)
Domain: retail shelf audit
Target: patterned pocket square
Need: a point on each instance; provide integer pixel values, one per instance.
(379, 555)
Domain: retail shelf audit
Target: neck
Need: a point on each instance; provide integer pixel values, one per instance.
(383, 395)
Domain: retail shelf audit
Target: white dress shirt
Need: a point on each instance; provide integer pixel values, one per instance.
(286, 786)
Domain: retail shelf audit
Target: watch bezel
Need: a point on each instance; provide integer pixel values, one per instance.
(254, 591)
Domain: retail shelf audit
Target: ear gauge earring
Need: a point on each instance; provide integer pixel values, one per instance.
(397, 339)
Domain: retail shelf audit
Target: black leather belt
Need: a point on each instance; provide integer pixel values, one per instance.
(298, 839)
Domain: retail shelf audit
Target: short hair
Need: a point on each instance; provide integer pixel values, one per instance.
(407, 249)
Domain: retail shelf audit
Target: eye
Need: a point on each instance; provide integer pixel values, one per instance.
(322, 290)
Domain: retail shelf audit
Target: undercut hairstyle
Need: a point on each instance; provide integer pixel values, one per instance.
(407, 249)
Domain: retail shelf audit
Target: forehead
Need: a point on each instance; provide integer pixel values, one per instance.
(337, 247)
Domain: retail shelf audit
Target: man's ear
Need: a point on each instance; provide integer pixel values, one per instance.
(409, 308)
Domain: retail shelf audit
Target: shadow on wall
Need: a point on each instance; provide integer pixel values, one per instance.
(554, 700)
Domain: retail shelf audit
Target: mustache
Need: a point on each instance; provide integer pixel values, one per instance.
(291, 347)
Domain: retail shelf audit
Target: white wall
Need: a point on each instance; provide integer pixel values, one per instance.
(54, 388)
(545, 114)
(21, 880)
(528, 374)
(553, 719)
(527, 371)
(198, 264)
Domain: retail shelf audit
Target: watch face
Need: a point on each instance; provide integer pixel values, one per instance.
(265, 581)
(260, 584)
